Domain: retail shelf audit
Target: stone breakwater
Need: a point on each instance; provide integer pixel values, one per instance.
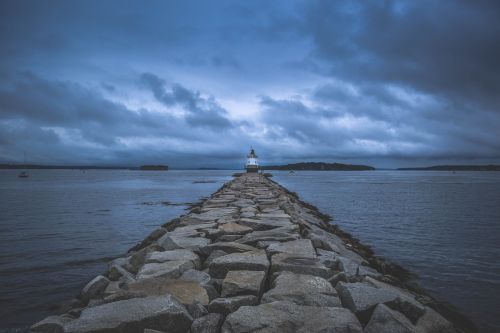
(251, 258)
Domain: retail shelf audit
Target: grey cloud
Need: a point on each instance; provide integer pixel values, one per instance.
(441, 48)
(202, 112)
(371, 80)
(74, 121)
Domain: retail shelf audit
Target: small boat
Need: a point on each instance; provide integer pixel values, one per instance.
(291, 171)
(23, 174)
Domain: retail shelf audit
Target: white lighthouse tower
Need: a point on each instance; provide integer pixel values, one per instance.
(252, 164)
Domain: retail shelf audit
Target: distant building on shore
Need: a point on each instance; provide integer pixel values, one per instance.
(252, 164)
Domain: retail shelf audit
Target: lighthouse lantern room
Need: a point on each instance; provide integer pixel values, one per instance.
(252, 164)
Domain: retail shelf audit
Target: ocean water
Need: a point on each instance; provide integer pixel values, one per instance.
(59, 228)
(442, 226)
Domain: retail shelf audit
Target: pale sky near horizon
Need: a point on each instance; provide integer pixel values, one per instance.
(196, 83)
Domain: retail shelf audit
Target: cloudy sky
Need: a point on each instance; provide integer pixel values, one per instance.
(196, 83)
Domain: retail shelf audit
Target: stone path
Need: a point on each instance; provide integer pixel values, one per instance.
(251, 258)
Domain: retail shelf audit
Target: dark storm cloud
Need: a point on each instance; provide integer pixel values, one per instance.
(191, 81)
(438, 47)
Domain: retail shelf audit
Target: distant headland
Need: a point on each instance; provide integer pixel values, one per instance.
(490, 167)
(81, 167)
(319, 166)
(154, 167)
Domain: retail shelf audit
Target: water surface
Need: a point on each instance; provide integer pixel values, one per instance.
(443, 226)
(59, 228)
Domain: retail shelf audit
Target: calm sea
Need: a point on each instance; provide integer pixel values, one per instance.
(58, 228)
(443, 226)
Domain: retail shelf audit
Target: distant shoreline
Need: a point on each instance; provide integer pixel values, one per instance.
(288, 167)
(319, 166)
(490, 167)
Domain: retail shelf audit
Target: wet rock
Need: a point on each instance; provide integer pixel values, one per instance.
(405, 302)
(94, 288)
(243, 282)
(361, 298)
(112, 288)
(299, 247)
(173, 255)
(302, 290)
(384, 319)
(117, 270)
(227, 247)
(354, 269)
(433, 322)
(300, 265)
(252, 261)
(169, 269)
(187, 292)
(162, 313)
(210, 323)
(51, 324)
(290, 317)
(150, 239)
(226, 305)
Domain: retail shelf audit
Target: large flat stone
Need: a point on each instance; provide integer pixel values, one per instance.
(433, 322)
(300, 247)
(187, 292)
(361, 298)
(260, 224)
(278, 235)
(384, 319)
(405, 301)
(233, 228)
(227, 247)
(300, 265)
(162, 313)
(302, 290)
(250, 261)
(290, 317)
(215, 214)
(173, 255)
(169, 242)
(243, 283)
(169, 269)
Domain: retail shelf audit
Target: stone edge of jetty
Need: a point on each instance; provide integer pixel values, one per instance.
(252, 257)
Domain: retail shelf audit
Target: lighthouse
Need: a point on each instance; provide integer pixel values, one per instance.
(252, 165)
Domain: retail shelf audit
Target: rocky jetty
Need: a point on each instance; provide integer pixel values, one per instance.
(251, 258)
